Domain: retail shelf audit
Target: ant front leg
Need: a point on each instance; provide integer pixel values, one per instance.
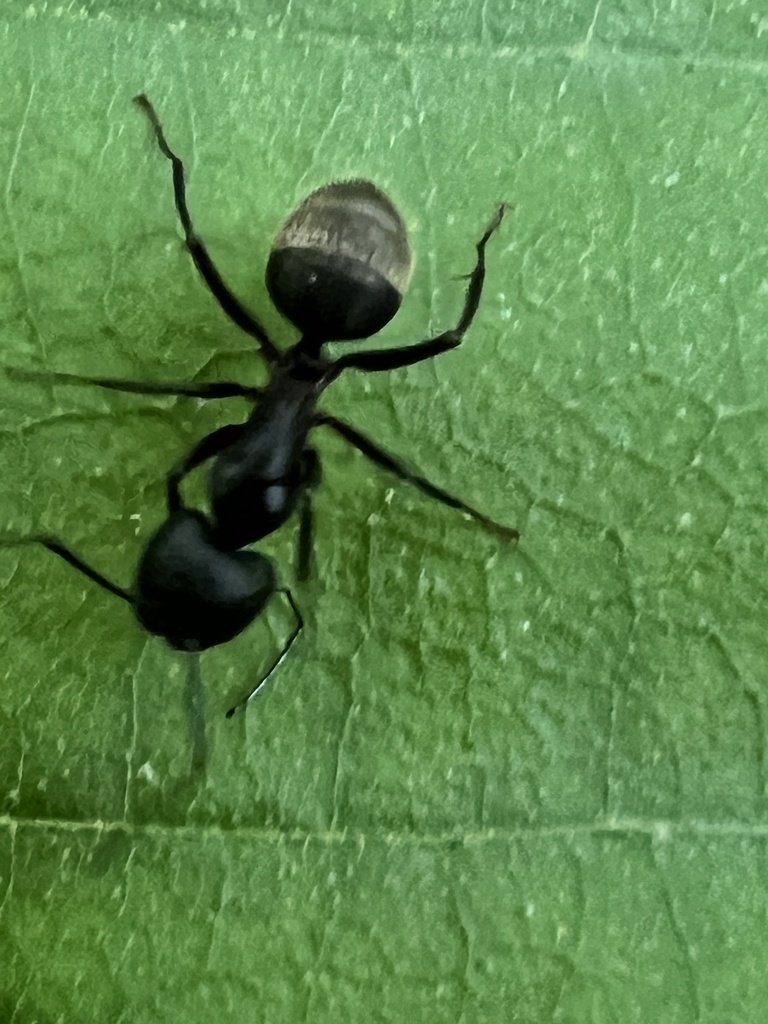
(312, 474)
(231, 305)
(216, 389)
(388, 461)
(212, 444)
(407, 355)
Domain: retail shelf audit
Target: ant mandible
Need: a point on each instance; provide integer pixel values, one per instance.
(337, 271)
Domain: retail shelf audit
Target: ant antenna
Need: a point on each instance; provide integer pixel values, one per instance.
(257, 690)
(60, 548)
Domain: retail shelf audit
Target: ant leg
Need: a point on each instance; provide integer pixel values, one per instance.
(407, 355)
(306, 532)
(205, 449)
(312, 474)
(231, 305)
(258, 689)
(59, 548)
(217, 389)
(394, 465)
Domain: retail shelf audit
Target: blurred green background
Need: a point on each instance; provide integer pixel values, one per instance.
(487, 785)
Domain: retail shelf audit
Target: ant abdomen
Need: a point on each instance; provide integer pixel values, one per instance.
(341, 262)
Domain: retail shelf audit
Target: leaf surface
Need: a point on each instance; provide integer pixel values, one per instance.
(487, 785)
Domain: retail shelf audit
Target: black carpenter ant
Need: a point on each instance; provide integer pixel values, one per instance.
(337, 271)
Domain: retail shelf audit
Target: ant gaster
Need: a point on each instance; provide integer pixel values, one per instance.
(337, 271)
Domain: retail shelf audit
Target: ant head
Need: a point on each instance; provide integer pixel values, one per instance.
(341, 262)
(193, 594)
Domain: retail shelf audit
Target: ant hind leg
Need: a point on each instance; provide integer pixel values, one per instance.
(407, 355)
(231, 305)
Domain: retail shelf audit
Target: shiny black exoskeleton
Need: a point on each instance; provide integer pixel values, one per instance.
(192, 593)
(337, 270)
(187, 590)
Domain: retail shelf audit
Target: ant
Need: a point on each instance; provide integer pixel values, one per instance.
(337, 271)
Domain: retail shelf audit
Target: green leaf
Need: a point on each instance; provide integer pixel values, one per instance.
(487, 785)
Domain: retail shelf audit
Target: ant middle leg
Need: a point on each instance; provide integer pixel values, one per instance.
(216, 389)
(388, 461)
(231, 305)
(407, 355)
